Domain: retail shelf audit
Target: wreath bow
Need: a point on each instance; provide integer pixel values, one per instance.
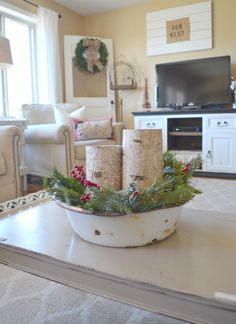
(91, 53)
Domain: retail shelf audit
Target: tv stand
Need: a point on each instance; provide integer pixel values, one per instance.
(187, 108)
(191, 108)
(208, 133)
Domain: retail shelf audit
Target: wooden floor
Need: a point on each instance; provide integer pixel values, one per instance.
(33, 185)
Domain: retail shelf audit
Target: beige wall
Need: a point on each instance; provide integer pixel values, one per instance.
(127, 28)
(70, 22)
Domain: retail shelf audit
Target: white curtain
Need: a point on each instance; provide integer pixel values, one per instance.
(48, 57)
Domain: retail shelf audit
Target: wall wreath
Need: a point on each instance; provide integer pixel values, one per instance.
(91, 55)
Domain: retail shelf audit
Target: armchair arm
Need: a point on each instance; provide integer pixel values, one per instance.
(10, 147)
(48, 134)
(117, 129)
(44, 138)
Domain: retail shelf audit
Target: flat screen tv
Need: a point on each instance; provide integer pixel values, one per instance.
(201, 83)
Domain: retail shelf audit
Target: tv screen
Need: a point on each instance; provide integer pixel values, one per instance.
(197, 83)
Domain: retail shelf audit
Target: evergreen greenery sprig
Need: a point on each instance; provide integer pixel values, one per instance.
(173, 190)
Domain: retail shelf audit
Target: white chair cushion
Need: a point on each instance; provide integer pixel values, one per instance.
(38, 114)
(2, 165)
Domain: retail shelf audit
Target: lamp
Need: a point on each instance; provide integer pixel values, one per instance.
(5, 53)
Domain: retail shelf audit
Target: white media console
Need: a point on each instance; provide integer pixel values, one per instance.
(211, 134)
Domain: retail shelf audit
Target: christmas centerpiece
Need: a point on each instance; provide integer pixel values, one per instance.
(132, 216)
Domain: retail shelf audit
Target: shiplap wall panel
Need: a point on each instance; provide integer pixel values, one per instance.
(174, 47)
(200, 29)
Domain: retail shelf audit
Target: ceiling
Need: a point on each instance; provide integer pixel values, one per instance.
(90, 7)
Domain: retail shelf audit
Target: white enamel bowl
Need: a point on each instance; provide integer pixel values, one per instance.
(123, 230)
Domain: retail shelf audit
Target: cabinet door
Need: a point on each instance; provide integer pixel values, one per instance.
(220, 151)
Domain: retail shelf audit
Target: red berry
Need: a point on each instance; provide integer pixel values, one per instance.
(85, 197)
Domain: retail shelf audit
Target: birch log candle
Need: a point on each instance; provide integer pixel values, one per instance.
(142, 157)
(103, 165)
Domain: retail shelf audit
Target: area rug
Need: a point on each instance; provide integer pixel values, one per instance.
(29, 299)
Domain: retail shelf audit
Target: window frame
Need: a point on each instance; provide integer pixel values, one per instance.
(30, 20)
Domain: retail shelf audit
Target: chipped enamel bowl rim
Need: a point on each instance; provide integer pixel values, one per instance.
(136, 229)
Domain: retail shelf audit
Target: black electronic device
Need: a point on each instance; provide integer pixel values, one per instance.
(194, 84)
(186, 129)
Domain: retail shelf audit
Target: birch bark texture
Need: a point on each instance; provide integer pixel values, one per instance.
(142, 157)
(104, 164)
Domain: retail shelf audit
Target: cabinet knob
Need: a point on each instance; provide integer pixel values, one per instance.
(150, 125)
(223, 124)
(209, 155)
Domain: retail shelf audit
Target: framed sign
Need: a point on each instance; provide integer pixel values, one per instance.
(180, 29)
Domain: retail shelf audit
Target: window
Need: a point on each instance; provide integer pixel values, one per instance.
(18, 84)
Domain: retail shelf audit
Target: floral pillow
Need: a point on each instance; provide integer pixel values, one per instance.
(92, 129)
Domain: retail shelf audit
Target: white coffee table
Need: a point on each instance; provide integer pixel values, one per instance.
(190, 275)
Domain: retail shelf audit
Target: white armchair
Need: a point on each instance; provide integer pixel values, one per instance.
(50, 142)
(10, 148)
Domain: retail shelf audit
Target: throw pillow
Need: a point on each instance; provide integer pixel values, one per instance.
(93, 129)
(62, 117)
(79, 114)
(69, 107)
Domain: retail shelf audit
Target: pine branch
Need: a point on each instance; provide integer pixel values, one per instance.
(57, 181)
(173, 190)
(108, 201)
